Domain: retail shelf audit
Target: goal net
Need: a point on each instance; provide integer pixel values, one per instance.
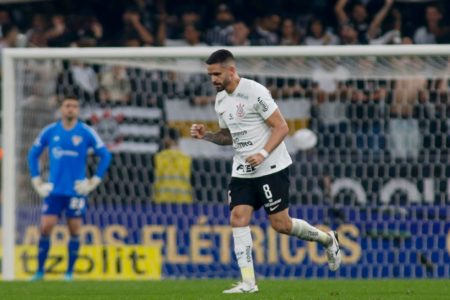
(378, 173)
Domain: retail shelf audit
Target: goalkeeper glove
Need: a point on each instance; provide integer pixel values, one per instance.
(85, 186)
(42, 188)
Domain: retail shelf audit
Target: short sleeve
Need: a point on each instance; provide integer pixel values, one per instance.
(222, 123)
(265, 105)
(220, 110)
(94, 139)
(44, 136)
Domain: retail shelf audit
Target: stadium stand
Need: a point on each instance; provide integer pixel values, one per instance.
(379, 172)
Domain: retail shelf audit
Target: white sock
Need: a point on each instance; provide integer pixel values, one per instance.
(243, 245)
(303, 230)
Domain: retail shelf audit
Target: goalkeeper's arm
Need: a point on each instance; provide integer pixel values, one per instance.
(85, 186)
(105, 160)
(41, 187)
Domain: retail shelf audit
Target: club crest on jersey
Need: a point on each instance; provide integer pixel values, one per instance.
(240, 112)
(76, 140)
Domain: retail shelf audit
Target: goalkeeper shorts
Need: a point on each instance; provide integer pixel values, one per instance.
(74, 207)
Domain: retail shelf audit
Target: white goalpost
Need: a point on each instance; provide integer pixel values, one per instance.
(148, 69)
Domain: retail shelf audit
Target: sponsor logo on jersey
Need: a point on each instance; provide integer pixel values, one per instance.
(263, 104)
(56, 138)
(239, 133)
(76, 140)
(243, 96)
(240, 145)
(245, 169)
(58, 152)
(240, 112)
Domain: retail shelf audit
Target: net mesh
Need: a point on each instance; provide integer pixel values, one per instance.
(375, 67)
(378, 174)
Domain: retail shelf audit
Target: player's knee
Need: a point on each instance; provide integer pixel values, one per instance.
(239, 219)
(46, 229)
(74, 230)
(239, 222)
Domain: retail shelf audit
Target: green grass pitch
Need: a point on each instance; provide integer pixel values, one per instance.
(303, 289)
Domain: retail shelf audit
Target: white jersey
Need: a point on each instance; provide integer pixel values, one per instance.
(244, 113)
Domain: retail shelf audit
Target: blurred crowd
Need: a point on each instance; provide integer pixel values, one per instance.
(404, 119)
(93, 23)
(404, 115)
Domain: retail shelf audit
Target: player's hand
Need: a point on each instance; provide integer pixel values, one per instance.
(198, 131)
(41, 187)
(255, 159)
(85, 186)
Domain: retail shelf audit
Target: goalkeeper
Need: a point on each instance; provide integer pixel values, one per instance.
(69, 141)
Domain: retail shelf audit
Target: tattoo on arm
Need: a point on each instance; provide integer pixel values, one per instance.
(221, 137)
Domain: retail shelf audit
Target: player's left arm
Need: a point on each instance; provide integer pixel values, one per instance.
(105, 160)
(100, 150)
(280, 130)
(84, 187)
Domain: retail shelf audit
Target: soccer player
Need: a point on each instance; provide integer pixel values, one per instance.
(68, 141)
(250, 120)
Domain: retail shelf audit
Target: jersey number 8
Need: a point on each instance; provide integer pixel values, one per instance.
(267, 192)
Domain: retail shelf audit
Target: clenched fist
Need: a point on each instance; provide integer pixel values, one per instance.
(198, 131)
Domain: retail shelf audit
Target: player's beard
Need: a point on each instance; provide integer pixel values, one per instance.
(70, 118)
(223, 85)
(219, 87)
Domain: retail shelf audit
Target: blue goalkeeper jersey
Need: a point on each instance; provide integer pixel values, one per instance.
(68, 152)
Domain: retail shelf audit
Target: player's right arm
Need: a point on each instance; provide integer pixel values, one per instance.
(221, 137)
(41, 187)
